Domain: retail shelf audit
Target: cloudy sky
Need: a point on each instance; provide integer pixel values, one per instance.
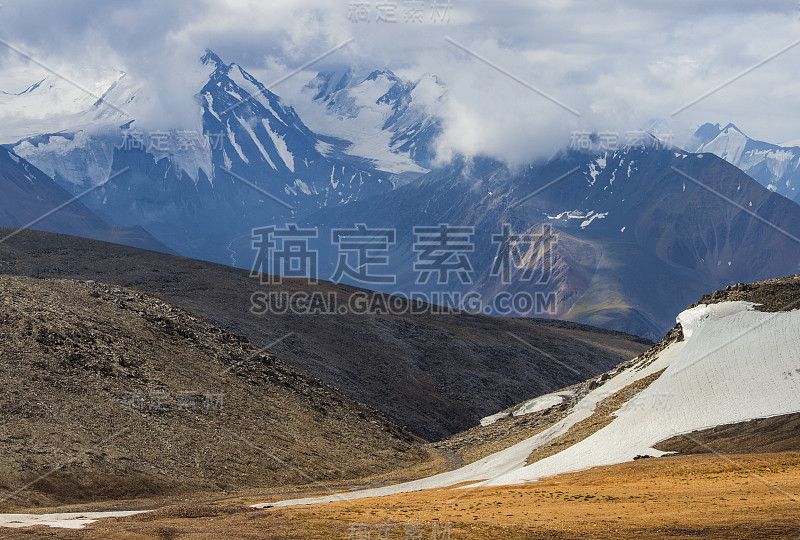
(557, 66)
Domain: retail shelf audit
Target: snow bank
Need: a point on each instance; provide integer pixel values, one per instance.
(68, 520)
(511, 459)
(735, 364)
(534, 405)
(541, 403)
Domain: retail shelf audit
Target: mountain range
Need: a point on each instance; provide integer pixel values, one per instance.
(254, 162)
(631, 235)
(514, 350)
(622, 239)
(434, 372)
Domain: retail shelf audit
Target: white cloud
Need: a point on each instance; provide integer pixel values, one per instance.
(619, 66)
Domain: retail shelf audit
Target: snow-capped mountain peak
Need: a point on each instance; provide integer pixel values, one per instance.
(211, 58)
(251, 159)
(387, 118)
(774, 166)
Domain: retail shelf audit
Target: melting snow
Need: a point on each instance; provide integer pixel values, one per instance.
(570, 214)
(489, 420)
(210, 101)
(302, 186)
(334, 183)
(67, 520)
(731, 367)
(535, 405)
(541, 403)
(587, 217)
(591, 217)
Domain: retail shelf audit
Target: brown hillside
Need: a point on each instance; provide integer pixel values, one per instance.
(106, 393)
(438, 374)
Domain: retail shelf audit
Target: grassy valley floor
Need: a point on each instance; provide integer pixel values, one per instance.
(742, 496)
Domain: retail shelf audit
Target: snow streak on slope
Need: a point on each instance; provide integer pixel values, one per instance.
(735, 364)
(506, 461)
(66, 520)
(537, 404)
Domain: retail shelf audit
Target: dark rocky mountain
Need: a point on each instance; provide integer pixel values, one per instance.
(632, 235)
(437, 373)
(31, 199)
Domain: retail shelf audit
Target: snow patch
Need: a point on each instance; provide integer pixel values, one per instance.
(66, 520)
(249, 130)
(302, 186)
(541, 403)
(280, 146)
(731, 367)
(232, 139)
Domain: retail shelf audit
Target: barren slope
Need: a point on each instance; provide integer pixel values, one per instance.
(110, 393)
(435, 373)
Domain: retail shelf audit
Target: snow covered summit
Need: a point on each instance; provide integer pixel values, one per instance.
(775, 167)
(387, 118)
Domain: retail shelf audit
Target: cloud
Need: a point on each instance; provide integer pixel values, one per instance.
(619, 65)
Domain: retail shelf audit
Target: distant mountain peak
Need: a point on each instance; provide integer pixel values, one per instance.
(774, 166)
(380, 106)
(382, 72)
(211, 58)
(733, 127)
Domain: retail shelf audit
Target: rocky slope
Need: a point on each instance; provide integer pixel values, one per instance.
(776, 433)
(724, 381)
(106, 392)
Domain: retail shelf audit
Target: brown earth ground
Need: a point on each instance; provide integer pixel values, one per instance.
(698, 496)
